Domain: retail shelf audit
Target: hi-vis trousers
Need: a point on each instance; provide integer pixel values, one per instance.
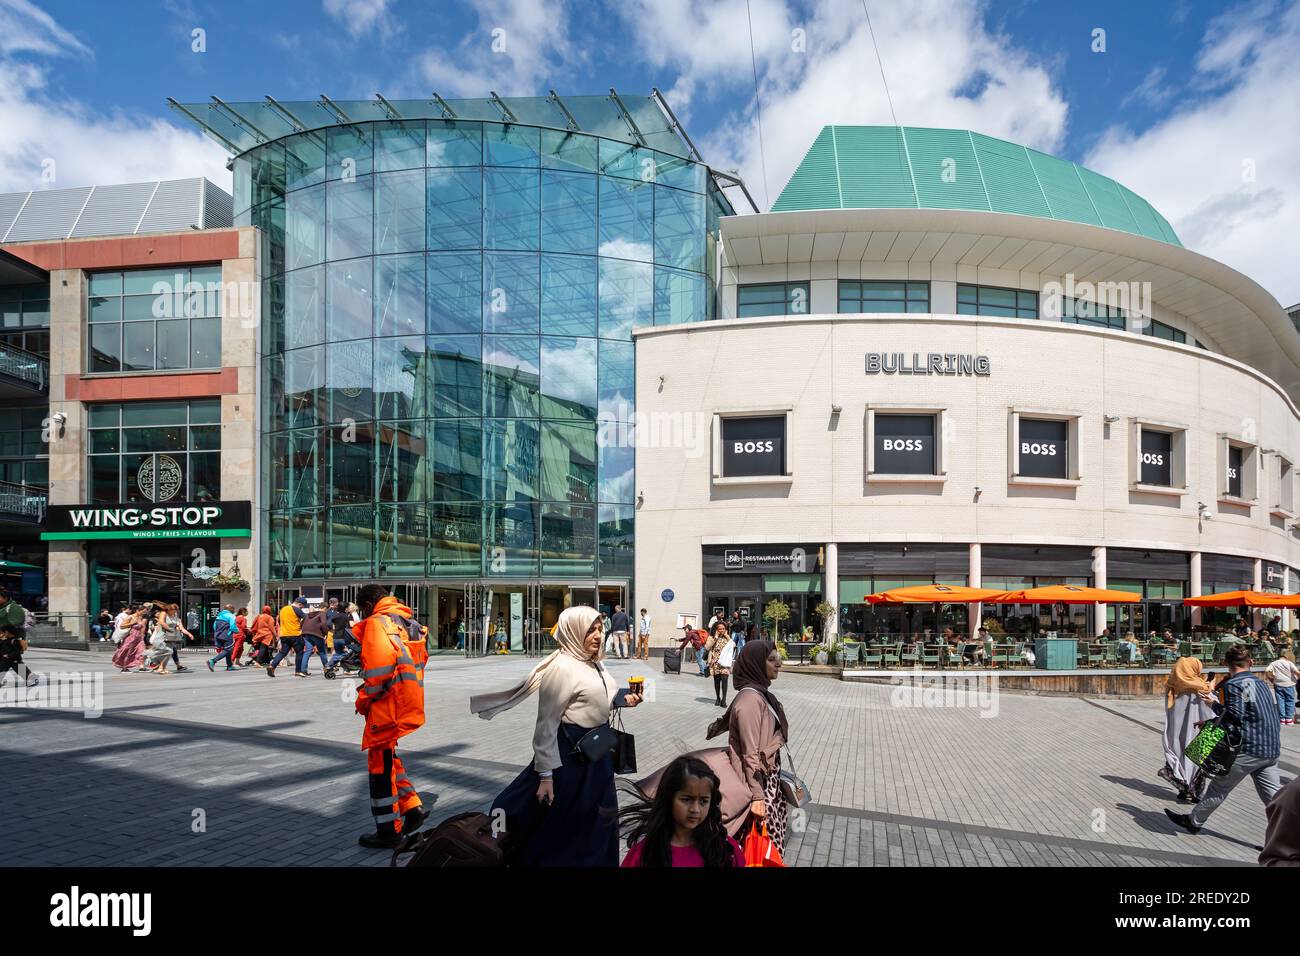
(391, 793)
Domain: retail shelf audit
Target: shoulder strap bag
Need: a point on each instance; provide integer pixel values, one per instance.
(608, 741)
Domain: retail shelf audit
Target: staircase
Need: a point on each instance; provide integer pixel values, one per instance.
(51, 633)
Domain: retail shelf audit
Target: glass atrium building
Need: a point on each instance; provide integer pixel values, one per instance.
(449, 290)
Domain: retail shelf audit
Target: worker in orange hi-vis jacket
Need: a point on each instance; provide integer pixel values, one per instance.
(391, 698)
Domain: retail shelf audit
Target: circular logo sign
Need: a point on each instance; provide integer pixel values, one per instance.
(163, 482)
(667, 595)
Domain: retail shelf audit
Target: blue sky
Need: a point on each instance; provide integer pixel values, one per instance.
(1192, 104)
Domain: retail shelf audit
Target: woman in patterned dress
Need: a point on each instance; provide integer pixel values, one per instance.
(714, 647)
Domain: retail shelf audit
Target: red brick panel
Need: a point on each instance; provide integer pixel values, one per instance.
(129, 252)
(133, 388)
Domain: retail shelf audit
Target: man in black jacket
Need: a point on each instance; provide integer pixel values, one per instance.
(618, 630)
(1250, 706)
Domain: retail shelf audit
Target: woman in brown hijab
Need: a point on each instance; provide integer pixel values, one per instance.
(1184, 711)
(749, 767)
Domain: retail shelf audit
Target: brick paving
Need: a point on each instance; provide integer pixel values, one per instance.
(236, 768)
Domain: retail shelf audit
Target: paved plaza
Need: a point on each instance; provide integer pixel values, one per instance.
(236, 768)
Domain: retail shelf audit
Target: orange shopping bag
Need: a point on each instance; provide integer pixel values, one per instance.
(760, 849)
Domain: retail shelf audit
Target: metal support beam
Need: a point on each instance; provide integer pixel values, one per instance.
(505, 110)
(568, 117)
(736, 181)
(389, 108)
(673, 124)
(293, 121)
(329, 105)
(204, 126)
(241, 121)
(627, 117)
(447, 111)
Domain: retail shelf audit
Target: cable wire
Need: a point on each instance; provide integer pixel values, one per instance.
(758, 106)
(880, 63)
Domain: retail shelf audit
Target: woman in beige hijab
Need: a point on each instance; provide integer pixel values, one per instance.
(561, 809)
(1185, 710)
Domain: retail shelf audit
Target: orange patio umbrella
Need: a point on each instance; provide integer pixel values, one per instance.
(1248, 598)
(934, 594)
(1066, 594)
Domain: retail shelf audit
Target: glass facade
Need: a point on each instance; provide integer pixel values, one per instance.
(155, 451)
(448, 364)
(143, 320)
(991, 300)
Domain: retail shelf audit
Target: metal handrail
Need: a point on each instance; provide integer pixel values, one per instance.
(27, 366)
(22, 500)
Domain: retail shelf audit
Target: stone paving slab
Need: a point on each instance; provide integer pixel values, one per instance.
(237, 768)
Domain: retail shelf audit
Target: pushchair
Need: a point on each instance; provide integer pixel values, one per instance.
(349, 663)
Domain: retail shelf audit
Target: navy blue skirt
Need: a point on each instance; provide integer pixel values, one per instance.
(580, 828)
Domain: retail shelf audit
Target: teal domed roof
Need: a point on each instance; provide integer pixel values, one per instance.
(871, 167)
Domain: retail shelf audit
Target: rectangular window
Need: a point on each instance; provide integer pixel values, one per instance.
(1085, 312)
(1235, 455)
(753, 446)
(884, 296)
(1044, 448)
(991, 300)
(773, 298)
(1167, 332)
(144, 320)
(1285, 487)
(904, 444)
(155, 451)
(1157, 458)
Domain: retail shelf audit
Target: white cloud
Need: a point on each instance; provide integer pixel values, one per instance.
(517, 50)
(944, 65)
(1225, 167)
(51, 144)
(358, 17)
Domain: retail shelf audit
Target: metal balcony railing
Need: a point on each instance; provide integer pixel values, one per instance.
(25, 366)
(23, 500)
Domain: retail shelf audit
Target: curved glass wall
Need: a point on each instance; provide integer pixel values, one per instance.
(448, 362)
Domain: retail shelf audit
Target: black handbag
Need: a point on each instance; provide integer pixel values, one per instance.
(597, 743)
(625, 753)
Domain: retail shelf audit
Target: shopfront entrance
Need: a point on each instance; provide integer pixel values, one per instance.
(478, 617)
(133, 572)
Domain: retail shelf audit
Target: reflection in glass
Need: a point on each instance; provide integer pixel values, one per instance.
(510, 459)
(568, 385)
(569, 295)
(510, 292)
(511, 375)
(626, 297)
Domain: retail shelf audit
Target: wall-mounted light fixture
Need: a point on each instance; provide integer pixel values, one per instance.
(1110, 419)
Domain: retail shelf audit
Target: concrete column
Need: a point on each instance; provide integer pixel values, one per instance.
(974, 612)
(831, 588)
(1099, 581)
(1194, 585)
(1257, 615)
(69, 577)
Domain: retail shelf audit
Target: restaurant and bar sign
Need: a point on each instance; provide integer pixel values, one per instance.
(193, 519)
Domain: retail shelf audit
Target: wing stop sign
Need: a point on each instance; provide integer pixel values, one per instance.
(196, 519)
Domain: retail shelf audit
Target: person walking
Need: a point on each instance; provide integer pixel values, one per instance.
(618, 630)
(1185, 711)
(682, 825)
(749, 767)
(695, 638)
(168, 624)
(314, 628)
(243, 635)
(561, 810)
(391, 698)
(737, 628)
(291, 616)
(223, 634)
(1250, 706)
(12, 646)
(13, 615)
(155, 659)
(1282, 674)
(721, 651)
(130, 650)
(264, 635)
(1282, 838)
(643, 636)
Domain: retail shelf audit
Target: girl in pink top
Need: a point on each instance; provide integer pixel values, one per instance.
(682, 825)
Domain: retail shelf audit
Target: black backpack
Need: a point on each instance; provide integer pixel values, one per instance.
(464, 840)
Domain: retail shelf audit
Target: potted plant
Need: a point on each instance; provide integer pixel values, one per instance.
(776, 611)
(824, 610)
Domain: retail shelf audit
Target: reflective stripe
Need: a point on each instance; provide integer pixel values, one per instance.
(382, 801)
(387, 818)
(406, 789)
(377, 689)
(378, 671)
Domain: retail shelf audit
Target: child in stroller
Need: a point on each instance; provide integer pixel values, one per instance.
(347, 657)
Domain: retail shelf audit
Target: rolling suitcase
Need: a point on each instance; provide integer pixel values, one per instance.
(672, 662)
